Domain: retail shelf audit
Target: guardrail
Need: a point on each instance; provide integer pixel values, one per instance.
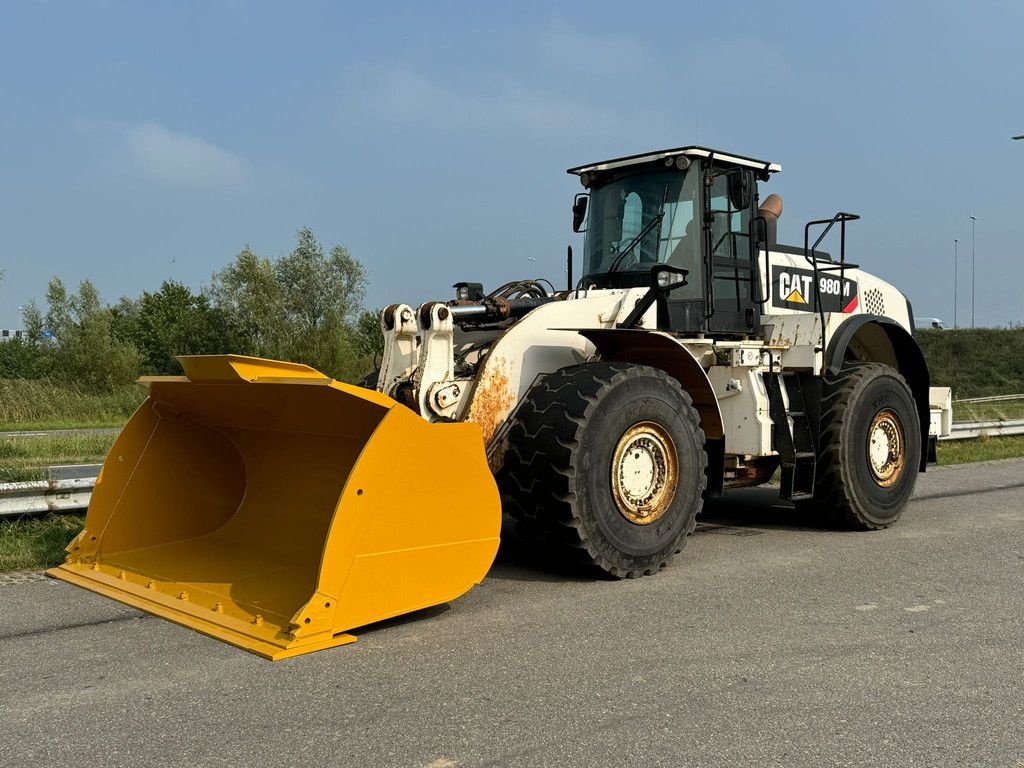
(68, 489)
(70, 486)
(35, 496)
(968, 430)
(990, 399)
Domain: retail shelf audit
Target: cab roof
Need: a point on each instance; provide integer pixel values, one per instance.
(665, 154)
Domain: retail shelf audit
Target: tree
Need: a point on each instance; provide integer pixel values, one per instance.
(34, 323)
(369, 338)
(85, 351)
(248, 293)
(20, 360)
(302, 307)
(319, 288)
(30, 357)
(125, 320)
(174, 321)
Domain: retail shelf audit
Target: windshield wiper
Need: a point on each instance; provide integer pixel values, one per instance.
(633, 243)
(640, 236)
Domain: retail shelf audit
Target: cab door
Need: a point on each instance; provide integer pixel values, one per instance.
(730, 262)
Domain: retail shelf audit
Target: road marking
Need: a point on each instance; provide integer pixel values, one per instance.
(729, 530)
(64, 432)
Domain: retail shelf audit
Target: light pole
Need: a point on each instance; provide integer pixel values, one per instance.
(974, 220)
(955, 241)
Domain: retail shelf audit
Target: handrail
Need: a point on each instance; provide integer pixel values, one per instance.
(841, 218)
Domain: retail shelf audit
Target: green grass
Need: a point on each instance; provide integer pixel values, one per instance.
(34, 543)
(975, 362)
(982, 449)
(40, 404)
(26, 458)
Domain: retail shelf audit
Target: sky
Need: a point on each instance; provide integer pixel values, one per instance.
(144, 141)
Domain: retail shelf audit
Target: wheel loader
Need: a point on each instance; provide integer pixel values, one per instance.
(266, 505)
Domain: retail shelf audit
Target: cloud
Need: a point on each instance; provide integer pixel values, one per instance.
(565, 48)
(398, 94)
(601, 90)
(180, 159)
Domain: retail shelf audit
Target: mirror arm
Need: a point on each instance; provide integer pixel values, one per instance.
(654, 293)
(758, 224)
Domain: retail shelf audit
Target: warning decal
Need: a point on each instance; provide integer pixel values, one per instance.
(794, 288)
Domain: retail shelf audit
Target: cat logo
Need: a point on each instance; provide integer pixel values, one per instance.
(806, 290)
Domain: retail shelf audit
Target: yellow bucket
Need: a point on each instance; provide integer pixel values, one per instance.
(269, 506)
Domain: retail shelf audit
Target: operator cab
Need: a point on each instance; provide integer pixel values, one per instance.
(692, 209)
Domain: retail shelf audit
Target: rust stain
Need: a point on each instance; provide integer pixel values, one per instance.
(750, 475)
(496, 457)
(493, 399)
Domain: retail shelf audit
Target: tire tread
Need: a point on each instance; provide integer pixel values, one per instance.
(543, 453)
(832, 493)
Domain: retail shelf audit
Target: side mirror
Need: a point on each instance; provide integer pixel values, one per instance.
(741, 188)
(579, 211)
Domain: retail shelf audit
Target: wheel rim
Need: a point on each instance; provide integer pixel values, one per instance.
(887, 447)
(645, 467)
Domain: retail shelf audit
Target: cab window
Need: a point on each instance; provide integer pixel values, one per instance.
(730, 251)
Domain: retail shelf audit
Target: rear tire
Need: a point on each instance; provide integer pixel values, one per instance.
(606, 467)
(869, 448)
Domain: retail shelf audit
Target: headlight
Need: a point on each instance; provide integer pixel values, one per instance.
(664, 277)
(469, 291)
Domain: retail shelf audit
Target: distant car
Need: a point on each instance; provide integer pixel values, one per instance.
(930, 322)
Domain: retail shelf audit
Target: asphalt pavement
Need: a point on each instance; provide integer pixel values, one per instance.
(771, 641)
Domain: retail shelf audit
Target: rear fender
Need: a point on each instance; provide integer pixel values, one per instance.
(876, 339)
(660, 350)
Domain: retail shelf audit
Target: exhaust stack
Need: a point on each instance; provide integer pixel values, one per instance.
(771, 210)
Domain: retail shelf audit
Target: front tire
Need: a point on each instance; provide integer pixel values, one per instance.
(870, 446)
(606, 466)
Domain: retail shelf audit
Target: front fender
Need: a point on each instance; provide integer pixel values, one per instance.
(660, 350)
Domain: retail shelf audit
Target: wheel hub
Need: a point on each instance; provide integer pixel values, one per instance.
(645, 467)
(887, 447)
